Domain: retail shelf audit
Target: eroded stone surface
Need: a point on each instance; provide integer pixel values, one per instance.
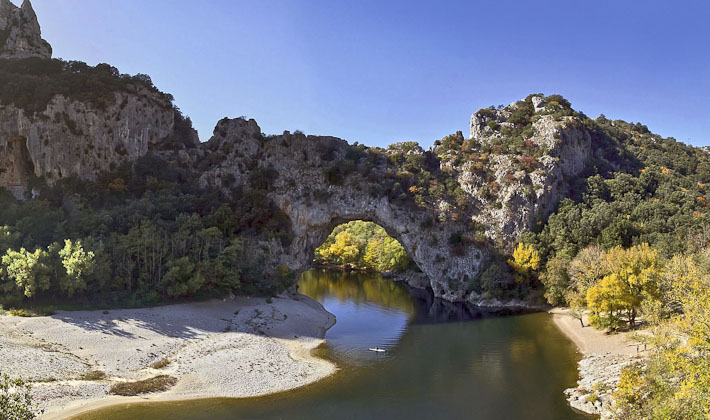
(72, 138)
(525, 197)
(599, 378)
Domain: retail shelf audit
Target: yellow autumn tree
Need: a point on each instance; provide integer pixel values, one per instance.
(385, 254)
(373, 253)
(345, 250)
(633, 277)
(691, 289)
(393, 256)
(525, 262)
(607, 300)
(375, 249)
(674, 381)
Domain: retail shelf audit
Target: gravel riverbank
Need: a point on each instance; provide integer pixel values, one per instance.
(604, 356)
(239, 347)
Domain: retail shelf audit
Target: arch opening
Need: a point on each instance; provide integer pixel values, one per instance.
(355, 256)
(359, 262)
(364, 246)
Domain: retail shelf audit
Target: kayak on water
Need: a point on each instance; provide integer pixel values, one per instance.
(377, 349)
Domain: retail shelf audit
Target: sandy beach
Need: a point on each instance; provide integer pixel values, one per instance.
(589, 340)
(604, 356)
(240, 347)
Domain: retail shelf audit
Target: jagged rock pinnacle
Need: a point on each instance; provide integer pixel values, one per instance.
(20, 34)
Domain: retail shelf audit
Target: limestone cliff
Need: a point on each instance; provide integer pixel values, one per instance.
(53, 124)
(20, 35)
(74, 138)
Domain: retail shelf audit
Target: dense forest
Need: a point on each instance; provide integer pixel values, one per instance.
(142, 234)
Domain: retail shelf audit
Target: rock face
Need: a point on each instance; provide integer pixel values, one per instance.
(20, 35)
(72, 138)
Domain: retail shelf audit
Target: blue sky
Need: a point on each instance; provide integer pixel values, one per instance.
(377, 72)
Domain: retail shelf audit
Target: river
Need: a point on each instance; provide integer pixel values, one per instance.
(442, 361)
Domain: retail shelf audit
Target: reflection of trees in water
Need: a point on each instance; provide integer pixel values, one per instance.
(356, 287)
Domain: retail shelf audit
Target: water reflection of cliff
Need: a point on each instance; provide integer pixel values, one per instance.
(357, 287)
(371, 288)
(431, 310)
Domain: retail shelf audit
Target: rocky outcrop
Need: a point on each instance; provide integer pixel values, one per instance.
(20, 35)
(415, 279)
(599, 378)
(321, 182)
(515, 191)
(61, 136)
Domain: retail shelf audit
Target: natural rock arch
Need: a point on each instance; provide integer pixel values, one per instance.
(446, 274)
(518, 162)
(300, 187)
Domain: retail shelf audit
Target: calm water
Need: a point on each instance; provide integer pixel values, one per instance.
(443, 361)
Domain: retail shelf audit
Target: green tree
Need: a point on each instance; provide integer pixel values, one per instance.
(586, 269)
(182, 278)
(27, 270)
(229, 265)
(556, 280)
(496, 278)
(78, 265)
(8, 238)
